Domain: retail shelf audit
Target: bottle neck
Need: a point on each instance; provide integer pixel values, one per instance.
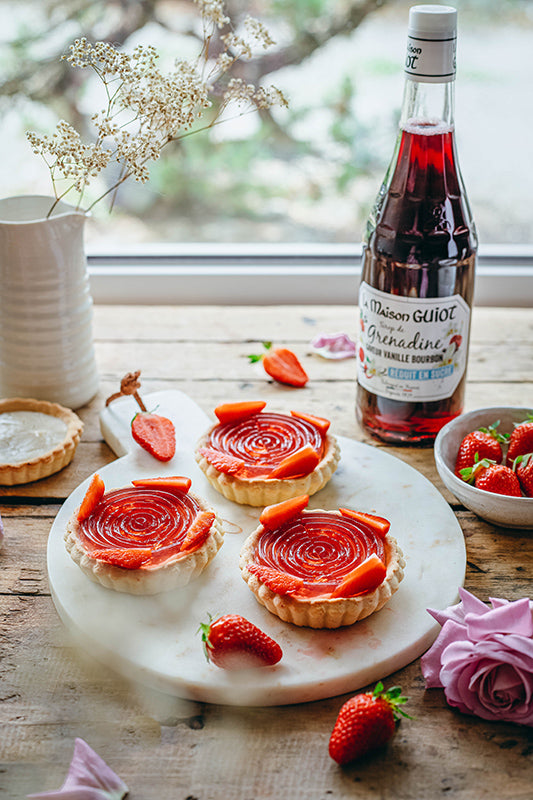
(428, 104)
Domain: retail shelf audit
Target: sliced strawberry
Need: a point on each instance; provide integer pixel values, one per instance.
(273, 516)
(221, 461)
(94, 494)
(235, 412)
(319, 422)
(174, 483)
(364, 578)
(279, 582)
(199, 531)
(126, 557)
(302, 462)
(283, 365)
(155, 434)
(379, 525)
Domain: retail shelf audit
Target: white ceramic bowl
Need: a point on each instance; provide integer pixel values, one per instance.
(509, 512)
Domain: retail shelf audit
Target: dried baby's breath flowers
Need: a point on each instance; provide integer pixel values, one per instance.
(145, 109)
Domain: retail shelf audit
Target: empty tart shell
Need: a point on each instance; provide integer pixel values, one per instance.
(168, 567)
(37, 450)
(321, 611)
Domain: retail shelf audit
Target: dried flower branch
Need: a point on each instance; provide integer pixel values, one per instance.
(145, 110)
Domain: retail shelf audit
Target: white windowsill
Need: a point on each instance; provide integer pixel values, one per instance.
(252, 274)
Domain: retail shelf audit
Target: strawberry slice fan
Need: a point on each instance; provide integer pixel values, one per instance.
(154, 433)
(341, 555)
(237, 446)
(171, 520)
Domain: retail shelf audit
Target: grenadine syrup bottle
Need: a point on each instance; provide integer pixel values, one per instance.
(419, 255)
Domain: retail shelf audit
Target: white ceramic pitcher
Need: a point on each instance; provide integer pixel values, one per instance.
(46, 341)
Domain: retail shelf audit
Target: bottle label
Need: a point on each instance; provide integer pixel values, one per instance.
(430, 60)
(411, 349)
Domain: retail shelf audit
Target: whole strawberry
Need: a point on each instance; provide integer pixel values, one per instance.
(485, 443)
(523, 468)
(232, 642)
(496, 478)
(365, 723)
(521, 441)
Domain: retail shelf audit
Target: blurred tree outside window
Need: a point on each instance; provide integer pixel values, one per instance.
(307, 174)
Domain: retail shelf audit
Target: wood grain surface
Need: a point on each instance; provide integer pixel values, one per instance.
(169, 749)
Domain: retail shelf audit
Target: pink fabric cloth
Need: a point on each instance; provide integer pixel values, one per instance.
(483, 658)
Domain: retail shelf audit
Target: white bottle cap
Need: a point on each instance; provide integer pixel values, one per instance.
(431, 40)
(432, 21)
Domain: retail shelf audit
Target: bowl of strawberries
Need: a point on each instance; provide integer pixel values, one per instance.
(485, 458)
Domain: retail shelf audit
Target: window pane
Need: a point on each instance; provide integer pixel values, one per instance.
(307, 174)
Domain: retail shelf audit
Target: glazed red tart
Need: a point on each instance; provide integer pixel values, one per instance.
(150, 537)
(321, 569)
(258, 458)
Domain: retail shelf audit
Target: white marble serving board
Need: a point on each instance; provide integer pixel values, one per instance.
(154, 640)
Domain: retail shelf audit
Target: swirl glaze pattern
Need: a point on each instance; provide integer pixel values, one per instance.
(263, 441)
(319, 547)
(138, 517)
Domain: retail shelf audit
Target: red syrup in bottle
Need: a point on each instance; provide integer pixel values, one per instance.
(423, 245)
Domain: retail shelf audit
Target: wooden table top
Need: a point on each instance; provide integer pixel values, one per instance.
(166, 748)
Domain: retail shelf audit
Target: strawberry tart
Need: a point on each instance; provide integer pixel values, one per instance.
(321, 569)
(258, 458)
(149, 537)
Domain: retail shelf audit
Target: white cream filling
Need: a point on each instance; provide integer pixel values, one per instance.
(25, 435)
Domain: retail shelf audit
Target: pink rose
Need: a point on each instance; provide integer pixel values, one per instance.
(483, 658)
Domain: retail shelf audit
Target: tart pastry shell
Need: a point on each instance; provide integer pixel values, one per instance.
(322, 612)
(176, 572)
(48, 462)
(265, 492)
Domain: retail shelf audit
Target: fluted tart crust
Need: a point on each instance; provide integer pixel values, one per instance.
(266, 457)
(145, 538)
(37, 439)
(309, 570)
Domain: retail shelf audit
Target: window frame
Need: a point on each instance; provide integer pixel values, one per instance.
(275, 274)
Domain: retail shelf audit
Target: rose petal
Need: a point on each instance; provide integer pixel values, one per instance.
(431, 661)
(496, 602)
(333, 345)
(469, 604)
(510, 618)
(520, 646)
(88, 778)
